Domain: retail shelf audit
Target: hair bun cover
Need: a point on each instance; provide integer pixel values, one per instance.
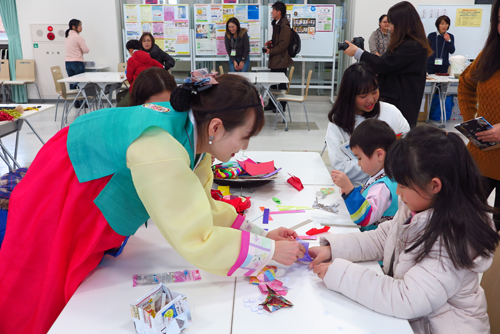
(180, 99)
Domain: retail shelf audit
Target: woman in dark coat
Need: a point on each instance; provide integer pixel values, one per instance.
(148, 44)
(402, 70)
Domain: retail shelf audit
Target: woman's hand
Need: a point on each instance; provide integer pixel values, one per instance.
(287, 252)
(241, 65)
(351, 50)
(447, 37)
(490, 135)
(282, 233)
(377, 54)
(319, 254)
(236, 66)
(321, 269)
(342, 181)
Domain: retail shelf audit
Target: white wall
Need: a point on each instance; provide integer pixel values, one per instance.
(365, 13)
(100, 20)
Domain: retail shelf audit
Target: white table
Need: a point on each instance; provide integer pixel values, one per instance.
(307, 166)
(441, 84)
(316, 309)
(10, 127)
(101, 303)
(96, 68)
(100, 78)
(266, 80)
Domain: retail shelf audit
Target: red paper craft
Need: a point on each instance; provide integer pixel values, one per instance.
(296, 183)
(239, 203)
(274, 301)
(314, 231)
(262, 168)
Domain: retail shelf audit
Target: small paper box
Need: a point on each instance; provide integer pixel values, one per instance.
(296, 183)
(150, 317)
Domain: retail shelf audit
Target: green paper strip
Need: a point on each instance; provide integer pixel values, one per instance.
(276, 200)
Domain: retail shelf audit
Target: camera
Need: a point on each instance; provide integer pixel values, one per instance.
(358, 41)
(264, 50)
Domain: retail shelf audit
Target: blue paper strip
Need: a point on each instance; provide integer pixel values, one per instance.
(265, 220)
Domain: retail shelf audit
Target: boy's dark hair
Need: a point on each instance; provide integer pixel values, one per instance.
(133, 44)
(358, 79)
(150, 82)
(460, 220)
(281, 7)
(442, 18)
(372, 134)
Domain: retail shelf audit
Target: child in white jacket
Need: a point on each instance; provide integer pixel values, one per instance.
(439, 240)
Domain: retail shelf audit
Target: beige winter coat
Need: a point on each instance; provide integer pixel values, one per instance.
(433, 295)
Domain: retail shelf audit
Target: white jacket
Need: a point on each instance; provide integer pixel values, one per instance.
(335, 137)
(433, 295)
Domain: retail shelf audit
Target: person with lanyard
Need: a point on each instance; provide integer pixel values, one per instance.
(443, 44)
(113, 169)
(237, 46)
(380, 38)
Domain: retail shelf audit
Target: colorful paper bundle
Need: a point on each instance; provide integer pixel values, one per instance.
(274, 302)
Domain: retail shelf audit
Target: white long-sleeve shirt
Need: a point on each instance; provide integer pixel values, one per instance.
(335, 137)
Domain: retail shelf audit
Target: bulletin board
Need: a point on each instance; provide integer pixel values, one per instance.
(315, 26)
(169, 25)
(210, 26)
(470, 25)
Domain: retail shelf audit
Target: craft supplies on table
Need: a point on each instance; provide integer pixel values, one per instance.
(161, 311)
(168, 277)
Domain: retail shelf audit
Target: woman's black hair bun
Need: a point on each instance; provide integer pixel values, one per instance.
(181, 97)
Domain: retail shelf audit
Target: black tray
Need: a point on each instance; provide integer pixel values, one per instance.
(239, 183)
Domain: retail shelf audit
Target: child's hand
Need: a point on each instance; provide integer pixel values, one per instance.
(320, 254)
(282, 233)
(321, 269)
(342, 181)
(287, 252)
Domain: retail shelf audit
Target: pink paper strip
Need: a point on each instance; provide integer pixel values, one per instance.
(289, 211)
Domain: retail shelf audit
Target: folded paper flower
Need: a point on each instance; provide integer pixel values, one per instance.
(274, 301)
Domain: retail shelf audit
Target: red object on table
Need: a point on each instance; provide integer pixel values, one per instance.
(314, 231)
(296, 183)
(240, 203)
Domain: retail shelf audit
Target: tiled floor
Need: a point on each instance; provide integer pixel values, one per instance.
(296, 139)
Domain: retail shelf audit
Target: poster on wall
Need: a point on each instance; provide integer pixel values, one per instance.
(210, 26)
(167, 23)
(308, 20)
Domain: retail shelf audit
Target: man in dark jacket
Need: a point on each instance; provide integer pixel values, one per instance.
(277, 48)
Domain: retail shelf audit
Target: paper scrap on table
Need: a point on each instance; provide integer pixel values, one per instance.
(306, 257)
(296, 183)
(267, 274)
(253, 168)
(224, 190)
(274, 302)
(276, 200)
(262, 209)
(315, 231)
(265, 220)
(275, 285)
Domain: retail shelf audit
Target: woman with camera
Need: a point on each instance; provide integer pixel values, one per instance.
(443, 44)
(237, 46)
(402, 70)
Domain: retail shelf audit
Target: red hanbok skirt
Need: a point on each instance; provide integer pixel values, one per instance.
(55, 237)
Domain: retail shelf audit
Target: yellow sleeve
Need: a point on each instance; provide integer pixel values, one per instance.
(221, 210)
(176, 200)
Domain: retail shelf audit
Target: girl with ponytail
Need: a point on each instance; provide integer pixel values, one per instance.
(113, 169)
(75, 48)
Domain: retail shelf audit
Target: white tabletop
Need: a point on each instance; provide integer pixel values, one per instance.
(96, 77)
(249, 75)
(28, 113)
(97, 67)
(307, 166)
(432, 78)
(101, 303)
(270, 77)
(260, 69)
(316, 309)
